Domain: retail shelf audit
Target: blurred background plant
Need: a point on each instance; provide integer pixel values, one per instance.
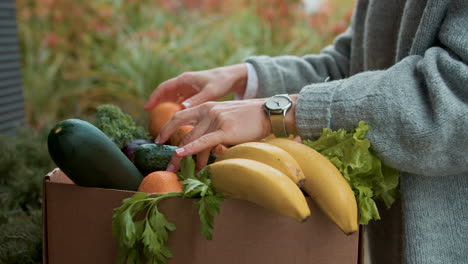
(80, 54)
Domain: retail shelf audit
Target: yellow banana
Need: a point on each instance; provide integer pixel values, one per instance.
(324, 183)
(271, 136)
(269, 154)
(261, 184)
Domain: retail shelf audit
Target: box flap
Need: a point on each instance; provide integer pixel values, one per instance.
(58, 176)
(44, 223)
(54, 176)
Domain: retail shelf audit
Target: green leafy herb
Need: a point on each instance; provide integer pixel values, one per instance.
(199, 186)
(187, 168)
(142, 230)
(208, 206)
(369, 178)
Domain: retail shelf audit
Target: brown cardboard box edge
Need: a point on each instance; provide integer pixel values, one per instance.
(77, 229)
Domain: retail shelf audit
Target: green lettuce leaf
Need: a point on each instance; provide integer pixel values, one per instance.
(370, 179)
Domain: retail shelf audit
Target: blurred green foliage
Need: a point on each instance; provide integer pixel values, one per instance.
(80, 54)
(24, 161)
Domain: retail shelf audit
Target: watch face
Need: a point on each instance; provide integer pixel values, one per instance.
(278, 103)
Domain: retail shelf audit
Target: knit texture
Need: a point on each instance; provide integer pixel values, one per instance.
(402, 68)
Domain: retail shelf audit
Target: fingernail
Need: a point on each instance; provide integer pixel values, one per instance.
(186, 105)
(180, 151)
(170, 167)
(157, 140)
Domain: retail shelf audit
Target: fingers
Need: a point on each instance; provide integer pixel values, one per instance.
(202, 128)
(205, 142)
(202, 159)
(197, 131)
(203, 96)
(183, 117)
(158, 94)
(174, 90)
(194, 88)
(174, 164)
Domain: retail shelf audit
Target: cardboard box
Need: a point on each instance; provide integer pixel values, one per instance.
(78, 229)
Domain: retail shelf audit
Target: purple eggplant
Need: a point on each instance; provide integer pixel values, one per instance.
(130, 147)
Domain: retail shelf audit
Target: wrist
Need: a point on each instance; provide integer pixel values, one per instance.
(239, 78)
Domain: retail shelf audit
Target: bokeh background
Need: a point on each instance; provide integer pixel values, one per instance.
(76, 55)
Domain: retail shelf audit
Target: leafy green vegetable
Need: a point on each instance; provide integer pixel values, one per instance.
(208, 206)
(117, 125)
(187, 168)
(369, 178)
(142, 230)
(200, 186)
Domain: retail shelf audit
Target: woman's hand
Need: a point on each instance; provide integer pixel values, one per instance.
(229, 123)
(194, 88)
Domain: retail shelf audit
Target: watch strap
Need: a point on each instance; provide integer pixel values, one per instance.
(277, 125)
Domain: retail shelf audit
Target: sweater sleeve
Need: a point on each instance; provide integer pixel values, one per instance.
(418, 109)
(288, 74)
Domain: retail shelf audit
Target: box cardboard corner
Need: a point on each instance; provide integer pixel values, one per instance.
(78, 229)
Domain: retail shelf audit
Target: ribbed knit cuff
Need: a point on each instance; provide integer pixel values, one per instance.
(313, 109)
(270, 80)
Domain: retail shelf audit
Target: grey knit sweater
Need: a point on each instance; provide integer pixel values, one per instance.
(403, 68)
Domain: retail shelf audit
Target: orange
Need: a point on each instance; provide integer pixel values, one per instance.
(160, 115)
(160, 182)
(220, 148)
(179, 135)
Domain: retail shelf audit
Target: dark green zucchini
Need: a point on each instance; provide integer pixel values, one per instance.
(86, 155)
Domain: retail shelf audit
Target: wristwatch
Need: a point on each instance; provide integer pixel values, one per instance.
(276, 107)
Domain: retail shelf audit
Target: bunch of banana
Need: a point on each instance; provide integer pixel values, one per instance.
(269, 154)
(324, 183)
(259, 183)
